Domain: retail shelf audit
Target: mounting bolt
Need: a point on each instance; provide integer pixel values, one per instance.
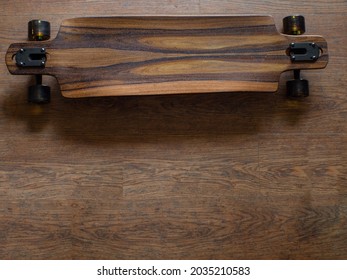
(43, 50)
(21, 50)
(42, 63)
(21, 63)
(313, 44)
(292, 57)
(314, 57)
(292, 45)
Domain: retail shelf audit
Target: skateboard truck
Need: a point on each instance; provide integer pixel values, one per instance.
(304, 52)
(34, 57)
(299, 52)
(38, 30)
(31, 57)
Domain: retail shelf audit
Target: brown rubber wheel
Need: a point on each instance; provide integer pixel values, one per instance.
(297, 88)
(294, 25)
(39, 94)
(39, 30)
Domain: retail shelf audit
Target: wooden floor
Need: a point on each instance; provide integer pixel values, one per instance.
(203, 176)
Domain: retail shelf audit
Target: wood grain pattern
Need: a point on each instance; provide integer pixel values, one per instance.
(196, 176)
(163, 55)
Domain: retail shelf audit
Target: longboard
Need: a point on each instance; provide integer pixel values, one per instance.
(115, 56)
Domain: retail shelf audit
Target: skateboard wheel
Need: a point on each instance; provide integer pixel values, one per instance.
(294, 25)
(297, 88)
(39, 30)
(39, 94)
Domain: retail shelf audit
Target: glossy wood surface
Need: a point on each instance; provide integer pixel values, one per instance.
(113, 56)
(198, 176)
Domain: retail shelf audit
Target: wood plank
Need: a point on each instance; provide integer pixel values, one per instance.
(200, 176)
(238, 6)
(61, 8)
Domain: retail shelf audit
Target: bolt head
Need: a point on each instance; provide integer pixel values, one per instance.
(292, 45)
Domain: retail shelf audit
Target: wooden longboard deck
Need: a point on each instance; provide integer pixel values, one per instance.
(164, 55)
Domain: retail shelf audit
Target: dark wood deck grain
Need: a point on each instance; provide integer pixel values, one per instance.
(117, 56)
(202, 176)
